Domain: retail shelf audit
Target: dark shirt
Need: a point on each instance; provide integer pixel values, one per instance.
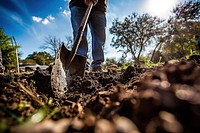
(100, 6)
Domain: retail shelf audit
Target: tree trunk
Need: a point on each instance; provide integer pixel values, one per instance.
(154, 51)
(133, 55)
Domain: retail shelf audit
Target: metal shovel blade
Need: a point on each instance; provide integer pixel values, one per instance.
(61, 76)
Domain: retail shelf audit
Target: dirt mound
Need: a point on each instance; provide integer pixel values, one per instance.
(150, 100)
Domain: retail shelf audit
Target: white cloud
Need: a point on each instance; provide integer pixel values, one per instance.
(50, 17)
(66, 13)
(45, 21)
(36, 19)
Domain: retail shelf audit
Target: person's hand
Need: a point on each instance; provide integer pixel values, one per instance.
(88, 1)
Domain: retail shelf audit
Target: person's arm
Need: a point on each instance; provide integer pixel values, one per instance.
(88, 1)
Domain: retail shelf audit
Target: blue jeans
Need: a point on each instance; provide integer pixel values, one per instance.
(97, 24)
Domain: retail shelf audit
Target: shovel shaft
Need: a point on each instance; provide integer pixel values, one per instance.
(79, 35)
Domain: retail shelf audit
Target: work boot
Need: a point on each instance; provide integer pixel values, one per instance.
(97, 69)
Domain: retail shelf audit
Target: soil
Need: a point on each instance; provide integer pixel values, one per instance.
(161, 99)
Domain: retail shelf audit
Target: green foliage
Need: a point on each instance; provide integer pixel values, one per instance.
(3, 127)
(148, 63)
(8, 51)
(183, 25)
(40, 58)
(121, 63)
(28, 62)
(11, 114)
(192, 53)
(10, 76)
(110, 61)
(38, 116)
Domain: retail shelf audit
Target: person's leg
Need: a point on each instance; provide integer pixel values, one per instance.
(77, 15)
(97, 22)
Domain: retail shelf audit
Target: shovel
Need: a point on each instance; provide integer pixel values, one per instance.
(68, 65)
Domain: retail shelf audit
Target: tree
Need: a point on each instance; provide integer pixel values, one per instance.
(134, 34)
(41, 58)
(52, 43)
(69, 42)
(7, 50)
(184, 24)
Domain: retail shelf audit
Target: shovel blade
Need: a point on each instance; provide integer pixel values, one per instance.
(61, 77)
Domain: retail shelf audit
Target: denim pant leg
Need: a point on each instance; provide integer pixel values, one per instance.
(77, 14)
(97, 23)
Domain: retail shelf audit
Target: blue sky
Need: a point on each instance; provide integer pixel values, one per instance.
(30, 21)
